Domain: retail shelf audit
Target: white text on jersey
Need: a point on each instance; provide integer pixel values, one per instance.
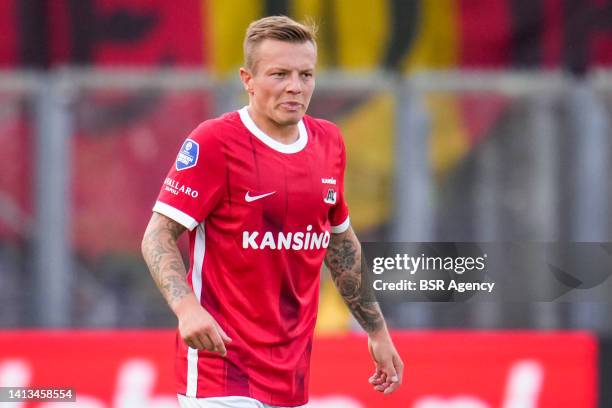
(330, 180)
(176, 187)
(290, 240)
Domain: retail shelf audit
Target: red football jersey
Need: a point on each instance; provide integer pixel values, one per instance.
(261, 214)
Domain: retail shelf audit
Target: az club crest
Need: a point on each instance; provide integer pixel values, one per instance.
(330, 197)
(188, 155)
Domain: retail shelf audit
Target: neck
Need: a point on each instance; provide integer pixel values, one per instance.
(285, 134)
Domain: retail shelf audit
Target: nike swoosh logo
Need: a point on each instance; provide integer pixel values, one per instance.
(249, 198)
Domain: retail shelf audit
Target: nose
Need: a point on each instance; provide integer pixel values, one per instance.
(294, 86)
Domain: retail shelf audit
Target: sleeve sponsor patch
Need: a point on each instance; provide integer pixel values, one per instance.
(188, 155)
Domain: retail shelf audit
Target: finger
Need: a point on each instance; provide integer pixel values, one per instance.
(379, 373)
(217, 343)
(391, 388)
(383, 386)
(194, 342)
(224, 336)
(381, 383)
(206, 343)
(376, 379)
(391, 373)
(394, 375)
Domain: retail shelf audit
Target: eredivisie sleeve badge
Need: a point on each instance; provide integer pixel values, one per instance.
(188, 155)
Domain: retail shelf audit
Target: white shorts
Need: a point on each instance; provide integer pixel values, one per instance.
(223, 402)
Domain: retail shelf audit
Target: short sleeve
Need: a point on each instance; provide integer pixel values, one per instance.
(339, 212)
(195, 183)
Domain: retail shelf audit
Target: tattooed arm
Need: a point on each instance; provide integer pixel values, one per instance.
(160, 251)
(343, 259)
(164, 259)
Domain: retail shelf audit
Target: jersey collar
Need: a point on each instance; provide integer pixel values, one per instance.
(294, 147)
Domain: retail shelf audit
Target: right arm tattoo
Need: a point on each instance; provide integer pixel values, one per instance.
(163, 258)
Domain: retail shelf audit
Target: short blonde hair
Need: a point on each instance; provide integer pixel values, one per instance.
(280, 28)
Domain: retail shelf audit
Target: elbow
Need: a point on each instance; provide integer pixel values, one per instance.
(143, 246)
(145, 243)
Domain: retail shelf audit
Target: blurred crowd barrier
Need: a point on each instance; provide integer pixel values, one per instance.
(493, 369)
(448, 156)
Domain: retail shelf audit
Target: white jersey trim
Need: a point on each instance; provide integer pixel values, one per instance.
(339, 229)
(199, 250)
(294, 147)
(177, 215)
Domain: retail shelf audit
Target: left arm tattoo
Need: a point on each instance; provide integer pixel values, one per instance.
(343, 259)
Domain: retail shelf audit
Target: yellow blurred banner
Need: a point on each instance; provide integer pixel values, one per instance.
(352, 35)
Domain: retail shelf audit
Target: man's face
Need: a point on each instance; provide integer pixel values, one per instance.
(281, 82)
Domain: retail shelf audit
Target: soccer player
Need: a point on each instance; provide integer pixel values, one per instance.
(261, 191)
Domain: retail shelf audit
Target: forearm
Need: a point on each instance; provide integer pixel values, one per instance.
(343, 259)
(162, 256)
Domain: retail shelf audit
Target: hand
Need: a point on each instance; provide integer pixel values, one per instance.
(199, 329)
(389, 365)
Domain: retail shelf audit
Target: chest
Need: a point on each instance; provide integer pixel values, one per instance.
(282, 191)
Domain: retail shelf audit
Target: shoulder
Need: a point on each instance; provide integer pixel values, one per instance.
(212, 135)
(210, 130)
(324, 128)
(321, 125)
(207, 140)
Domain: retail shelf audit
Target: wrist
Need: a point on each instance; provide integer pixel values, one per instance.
(184, 304)
(380, 333)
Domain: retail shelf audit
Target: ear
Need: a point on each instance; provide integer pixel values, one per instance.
(247, 78)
